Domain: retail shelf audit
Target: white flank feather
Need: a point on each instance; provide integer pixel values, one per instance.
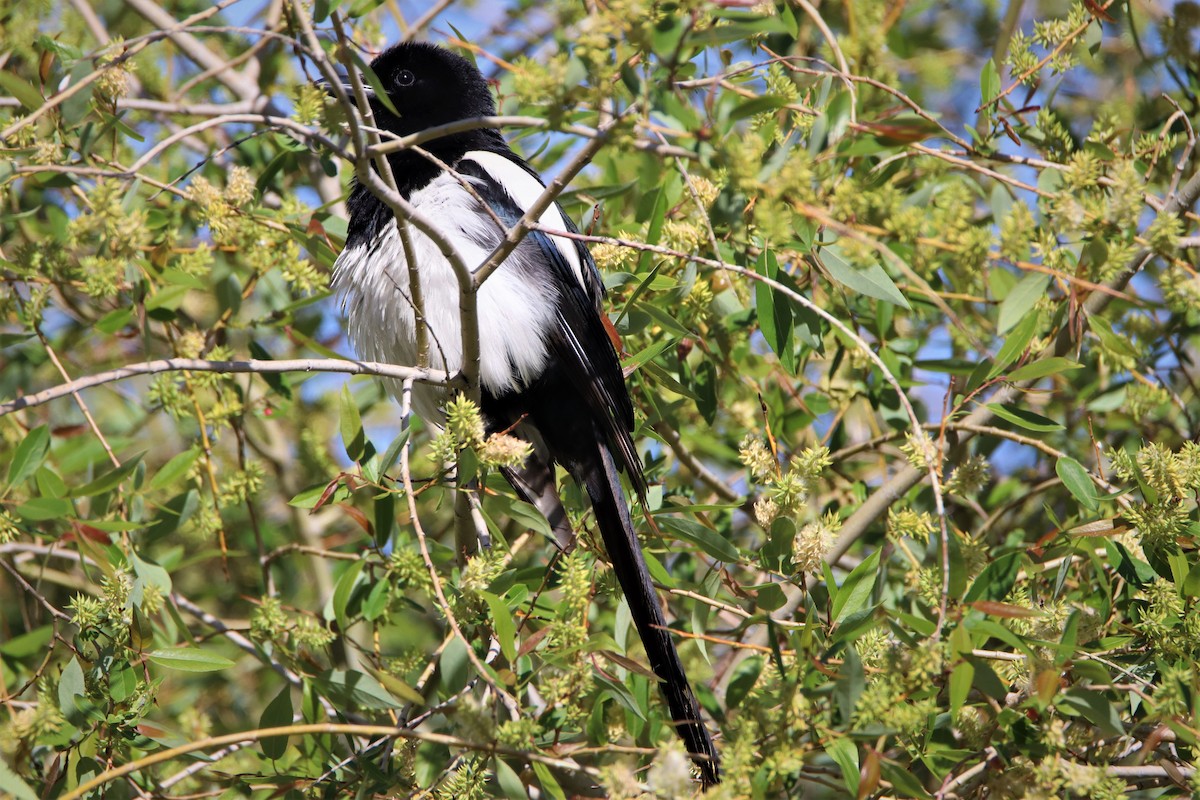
(515, 312)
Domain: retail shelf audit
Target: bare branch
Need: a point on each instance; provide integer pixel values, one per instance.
(423, 375)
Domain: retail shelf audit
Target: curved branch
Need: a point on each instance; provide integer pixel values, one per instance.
(433, 376)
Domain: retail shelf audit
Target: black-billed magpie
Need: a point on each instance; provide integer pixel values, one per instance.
(548, 368)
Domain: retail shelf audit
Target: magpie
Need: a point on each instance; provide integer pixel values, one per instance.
(549, 370)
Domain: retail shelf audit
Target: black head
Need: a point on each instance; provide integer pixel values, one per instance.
(429, 86)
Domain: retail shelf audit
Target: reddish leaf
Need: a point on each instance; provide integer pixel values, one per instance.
(357, 516)
(868, 775)
(996, 609)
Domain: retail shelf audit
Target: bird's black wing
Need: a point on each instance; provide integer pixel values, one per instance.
(579, 341)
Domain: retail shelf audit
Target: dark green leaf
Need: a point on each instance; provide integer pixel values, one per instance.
(757, 105)
(189, 659)
(872, 281)
(350, 690)
(22, 90)
(1020, 300)
(350, 425)
(989, 83)
(705, 538)
(774, 312)
(547, 782)
(173, 470)
(277, 714)
(29, 455)
(1025, 419)
(38, 509)
(11, 784)
(1043, 367)
(110, 479)
(1096, 708)
(344, 592)
(503, 625)
(844, 753)
(855, 591)
(1016, 343)
(1075, 477)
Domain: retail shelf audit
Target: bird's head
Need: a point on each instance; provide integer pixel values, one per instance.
(429, 86)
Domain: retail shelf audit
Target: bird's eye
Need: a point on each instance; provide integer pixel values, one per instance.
(405, 78)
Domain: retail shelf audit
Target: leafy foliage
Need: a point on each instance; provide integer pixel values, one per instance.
(909, 310)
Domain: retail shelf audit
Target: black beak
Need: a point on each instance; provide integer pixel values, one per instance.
(344, 81)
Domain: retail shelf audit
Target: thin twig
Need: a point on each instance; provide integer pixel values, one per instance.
(431, 376)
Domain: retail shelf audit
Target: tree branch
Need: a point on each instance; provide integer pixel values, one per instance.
(432, 376)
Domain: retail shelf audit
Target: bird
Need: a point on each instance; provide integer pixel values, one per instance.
(549, 371)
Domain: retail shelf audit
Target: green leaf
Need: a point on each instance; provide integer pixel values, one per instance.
(350, 426)
(189, 659)
(872, 281)
(399, 688)
(745, 676)
(510, 783)
(455, 666)
(996, 580)
(148, 574)
(831, 125)
(29, 455)
(961, 678)
(906, 784)
(855, 591)
(1043, 367)
(757, 105)
(703, 537)
(648, 353)
(169, 298)
(277, 381)
(29, 643)
(1020, 300)
(309, 497)
(109, 480)
(385, 517)
(768, 596)
(1095, 708)
(502, 624)
(71, 685)
(547, 782)
(1024, 419)
(11, 784)
(114, 321)
(352, 689)
(619, 692)
(774, 312)
(1110, 337)
(989, 83)
(22, 90)
(363, 7)
(1016, 343)
(344, 592)
(1075, 477)
(392, 454)
(376, 601)
(657, 219)
(1191, 584)
(278, 713)
(38, 509)
(174, 469)
(844, 753)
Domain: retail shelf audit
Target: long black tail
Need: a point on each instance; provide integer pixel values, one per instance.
(603, 486)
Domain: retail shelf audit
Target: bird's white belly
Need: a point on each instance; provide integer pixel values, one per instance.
(515, 310)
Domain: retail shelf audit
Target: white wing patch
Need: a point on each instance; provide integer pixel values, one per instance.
(525, 190)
